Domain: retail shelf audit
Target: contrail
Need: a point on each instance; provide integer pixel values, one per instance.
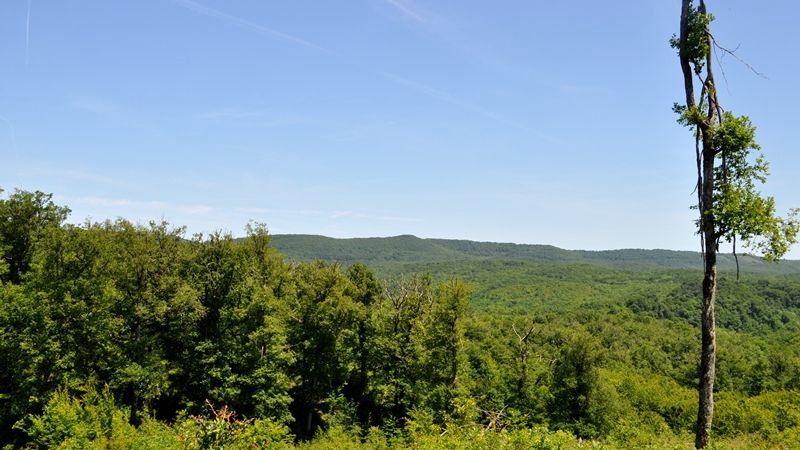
(211, 12)
(414, 85)
(406, 10)
(465, 106)
(28, 33)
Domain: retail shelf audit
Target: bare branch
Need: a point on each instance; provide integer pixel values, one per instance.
(722, 70)
(733, 54)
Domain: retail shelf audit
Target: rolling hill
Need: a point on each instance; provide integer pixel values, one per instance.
(405, 249)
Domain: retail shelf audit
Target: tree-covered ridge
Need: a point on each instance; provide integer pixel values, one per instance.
(411, 249)
(755, 304)
(138, 336)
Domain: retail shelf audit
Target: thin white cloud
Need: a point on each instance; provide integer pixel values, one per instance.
(117, 203)
(361, 129)
(370, 216)
(466, 106)
(299, 212)
(420, 87)
(110, 110)
(244, 23)
(335, 215)
(406, 9)
(40, 169)
(195, 209)
(94, 105)
(229, 114)
(83, 175)
(250, 118)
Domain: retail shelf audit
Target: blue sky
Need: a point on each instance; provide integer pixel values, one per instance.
(514, 121)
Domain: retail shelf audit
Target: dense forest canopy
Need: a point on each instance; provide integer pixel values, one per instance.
(131, 335)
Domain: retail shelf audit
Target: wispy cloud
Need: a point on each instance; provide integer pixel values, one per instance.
(244, 23)
(361, 129)
(406, 9)
(250, 118)
(415, 85)
(370, 216)
(291, 212)
(230, 114)
(466, 106)
(82, 175)
(328, 214)
(155, 205)
(94, 105)
(110, 110)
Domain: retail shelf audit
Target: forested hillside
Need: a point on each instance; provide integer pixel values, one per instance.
(411, 249)
(115, 334)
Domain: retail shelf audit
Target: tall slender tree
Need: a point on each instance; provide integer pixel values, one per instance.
(729, 165)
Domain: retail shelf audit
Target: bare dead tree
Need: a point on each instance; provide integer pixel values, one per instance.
(522, 349)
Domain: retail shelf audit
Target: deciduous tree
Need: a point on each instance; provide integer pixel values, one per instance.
(23, 218)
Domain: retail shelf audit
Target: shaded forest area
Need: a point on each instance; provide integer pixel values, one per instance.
(114, 334)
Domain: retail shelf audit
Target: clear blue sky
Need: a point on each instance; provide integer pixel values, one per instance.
(516, 121)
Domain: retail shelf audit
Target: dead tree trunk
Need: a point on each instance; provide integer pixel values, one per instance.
(706, 154)
(708, 354)
(522, 347)
(705, 411)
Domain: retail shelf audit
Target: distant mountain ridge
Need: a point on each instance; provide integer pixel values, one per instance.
(412, 249)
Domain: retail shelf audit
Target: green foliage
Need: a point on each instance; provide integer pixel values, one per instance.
(239, 355)
(93, 421)
(322, 332)
(697, 45)
(737, 206)
(320, 356)
(221, 429)
(581, 402)
(442, 363)
(159, 306)
(24, 216)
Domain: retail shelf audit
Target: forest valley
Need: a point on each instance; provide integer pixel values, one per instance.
(120, 335)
